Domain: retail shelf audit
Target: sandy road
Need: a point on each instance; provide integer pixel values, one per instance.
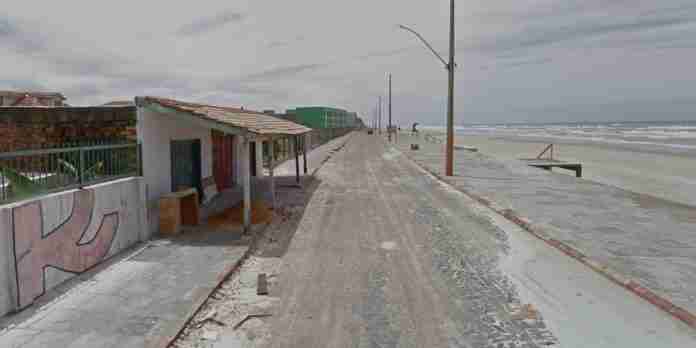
(386, 256)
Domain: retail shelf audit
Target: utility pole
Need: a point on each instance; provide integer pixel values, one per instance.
(449, 166)
(390, 110)
(379, 115)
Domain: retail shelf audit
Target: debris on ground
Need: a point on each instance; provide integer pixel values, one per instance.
(237, 313)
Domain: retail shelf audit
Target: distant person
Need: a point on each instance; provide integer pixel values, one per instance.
(414, 130)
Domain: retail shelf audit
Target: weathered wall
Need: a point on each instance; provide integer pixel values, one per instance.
(48, 240)
(155, 133)
(29, 127)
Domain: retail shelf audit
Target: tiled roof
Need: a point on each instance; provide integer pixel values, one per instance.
(255, 122)
(35, 94)
(28, 100)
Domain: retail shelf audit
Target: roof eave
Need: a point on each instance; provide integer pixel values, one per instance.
(189, 117)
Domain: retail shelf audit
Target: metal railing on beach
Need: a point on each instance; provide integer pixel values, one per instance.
(28, 173)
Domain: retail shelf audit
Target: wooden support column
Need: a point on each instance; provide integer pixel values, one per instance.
(295, 142)
(246, 182)
(304, 152)
(271, 164)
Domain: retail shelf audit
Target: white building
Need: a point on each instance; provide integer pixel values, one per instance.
(211, 148)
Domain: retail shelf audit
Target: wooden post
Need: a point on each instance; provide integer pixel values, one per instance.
(246, 175)
(304, 152)
(271, 164)
(296, 145)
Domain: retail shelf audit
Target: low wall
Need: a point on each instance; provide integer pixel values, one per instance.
(50, 239)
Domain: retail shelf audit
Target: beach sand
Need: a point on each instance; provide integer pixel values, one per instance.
(664, 175)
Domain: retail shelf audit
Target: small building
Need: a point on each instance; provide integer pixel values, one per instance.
(209, 148)
(322, 117)
(29, 99)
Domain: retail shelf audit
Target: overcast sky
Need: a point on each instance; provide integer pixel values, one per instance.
(518, 60)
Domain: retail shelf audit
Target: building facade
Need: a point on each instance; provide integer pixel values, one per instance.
(322, 117)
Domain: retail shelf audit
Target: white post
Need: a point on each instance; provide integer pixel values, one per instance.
(271, 164)
(259, 158)
(246, 168)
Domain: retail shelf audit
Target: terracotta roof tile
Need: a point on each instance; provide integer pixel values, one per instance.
(253, 121)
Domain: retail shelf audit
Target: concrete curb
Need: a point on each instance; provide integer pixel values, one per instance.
(609, 273)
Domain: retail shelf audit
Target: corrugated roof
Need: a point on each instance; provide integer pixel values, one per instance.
(255, 122)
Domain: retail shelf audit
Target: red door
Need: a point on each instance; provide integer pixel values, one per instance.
(223, 159)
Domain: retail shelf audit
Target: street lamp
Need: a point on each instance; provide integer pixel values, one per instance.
(449, 151)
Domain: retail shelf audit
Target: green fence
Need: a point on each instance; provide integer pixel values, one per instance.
(28, 173)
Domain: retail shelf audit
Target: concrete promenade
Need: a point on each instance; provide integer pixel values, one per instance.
(641, 238)
(139, 301)
(386, 255)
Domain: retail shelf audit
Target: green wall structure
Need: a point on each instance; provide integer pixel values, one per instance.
(319, 117)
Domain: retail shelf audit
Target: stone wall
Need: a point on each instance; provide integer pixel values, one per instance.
(48, 240)
(41, 127)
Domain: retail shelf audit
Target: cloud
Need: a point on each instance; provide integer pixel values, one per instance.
(208, 24)
(585, 27)
(281, 43)
(17, 36)
(384, 53)
(524, 62)
(24, 85)
(282, 72)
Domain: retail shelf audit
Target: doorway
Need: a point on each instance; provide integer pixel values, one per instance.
(186, 165)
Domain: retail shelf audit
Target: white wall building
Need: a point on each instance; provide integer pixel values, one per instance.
(195, 145)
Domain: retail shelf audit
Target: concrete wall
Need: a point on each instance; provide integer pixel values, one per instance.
(47, 240)
(155, 133)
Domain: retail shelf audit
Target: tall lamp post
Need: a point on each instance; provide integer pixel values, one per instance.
(389, 132)
(449, 151)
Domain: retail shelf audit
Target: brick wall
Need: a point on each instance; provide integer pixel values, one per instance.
(32, 128)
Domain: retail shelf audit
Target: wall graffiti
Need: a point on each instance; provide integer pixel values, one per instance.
(71, 247)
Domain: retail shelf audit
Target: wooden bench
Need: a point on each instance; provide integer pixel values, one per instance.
(177, 209)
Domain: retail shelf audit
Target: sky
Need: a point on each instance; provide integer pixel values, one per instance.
(517, 60)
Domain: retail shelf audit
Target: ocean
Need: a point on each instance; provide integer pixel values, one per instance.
(677, 137)
(656, 158)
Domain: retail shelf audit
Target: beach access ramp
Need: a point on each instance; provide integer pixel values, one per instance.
(545, 160)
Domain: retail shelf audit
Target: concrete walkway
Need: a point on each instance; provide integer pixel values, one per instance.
(641, 238)
(387, 256)
(140, 301)
(315, 157)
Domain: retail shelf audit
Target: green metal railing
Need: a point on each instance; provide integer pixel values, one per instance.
(29, 173)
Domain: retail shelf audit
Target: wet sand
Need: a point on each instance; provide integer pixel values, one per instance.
(657, 173)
